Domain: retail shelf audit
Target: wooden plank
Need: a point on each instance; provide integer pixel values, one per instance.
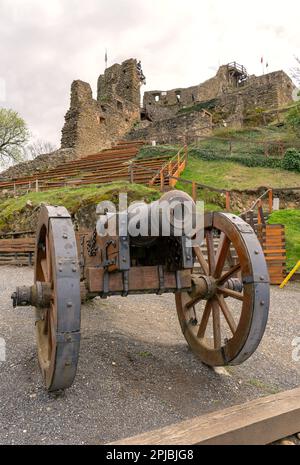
(260, 421)
(139, 278)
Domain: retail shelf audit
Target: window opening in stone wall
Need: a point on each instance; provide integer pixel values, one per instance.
(156, 98)
(119, 105)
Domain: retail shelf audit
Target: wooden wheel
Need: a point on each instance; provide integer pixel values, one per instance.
(224, 317)
(57, 325)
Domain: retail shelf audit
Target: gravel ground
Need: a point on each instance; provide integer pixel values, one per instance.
(135, 373)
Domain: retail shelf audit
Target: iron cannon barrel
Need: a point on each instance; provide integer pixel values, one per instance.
(172, 215)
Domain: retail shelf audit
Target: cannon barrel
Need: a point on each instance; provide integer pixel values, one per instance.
(174, 214)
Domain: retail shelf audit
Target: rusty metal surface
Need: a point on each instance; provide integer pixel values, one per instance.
(58, 326)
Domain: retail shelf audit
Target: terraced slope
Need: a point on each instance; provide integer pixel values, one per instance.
(115, 164)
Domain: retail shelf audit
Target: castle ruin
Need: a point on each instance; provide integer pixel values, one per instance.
(181, 115)
(92, 125)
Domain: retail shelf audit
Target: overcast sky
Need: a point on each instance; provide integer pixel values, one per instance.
(46, 45)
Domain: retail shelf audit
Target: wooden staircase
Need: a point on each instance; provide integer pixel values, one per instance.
(119, 163)
(272, 239)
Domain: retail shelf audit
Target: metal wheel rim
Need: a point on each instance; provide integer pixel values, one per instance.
(58, 332)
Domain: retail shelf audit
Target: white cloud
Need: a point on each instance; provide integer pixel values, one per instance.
(45, 45)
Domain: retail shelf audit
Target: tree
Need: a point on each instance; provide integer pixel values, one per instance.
(293, 116)
(295, 71)
(13, 136)
(39, 147)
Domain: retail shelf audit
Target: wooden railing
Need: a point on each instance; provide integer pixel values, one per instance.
(171, 169)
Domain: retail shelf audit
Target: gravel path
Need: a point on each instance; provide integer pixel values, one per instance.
(135, 372)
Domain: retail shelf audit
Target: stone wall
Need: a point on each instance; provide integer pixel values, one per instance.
(39, 164)
(160, 104)
(233, 98)
(92, 125)
(182, 129)
(120, 81)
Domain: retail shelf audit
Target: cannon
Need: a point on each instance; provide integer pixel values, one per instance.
(221, 284)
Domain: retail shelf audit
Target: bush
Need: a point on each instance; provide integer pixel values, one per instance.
(293, 118)
(291, 160)
(251, 161)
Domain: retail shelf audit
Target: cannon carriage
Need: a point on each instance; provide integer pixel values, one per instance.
(221, 284)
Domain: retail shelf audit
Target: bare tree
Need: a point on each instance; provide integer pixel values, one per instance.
(13, 136)
(295, 71)
(39, 147)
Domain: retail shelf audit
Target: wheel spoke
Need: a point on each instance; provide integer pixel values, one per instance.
(48, 256)
(44, 266)
(204, 320)
(231, 293)
(216, 324)
(201, 259)
(227, 313)
(229, 273)
(193, 302)
(221, 255)
(210, 251)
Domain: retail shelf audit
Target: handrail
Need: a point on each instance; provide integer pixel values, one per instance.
(257, 201)
(168, 163)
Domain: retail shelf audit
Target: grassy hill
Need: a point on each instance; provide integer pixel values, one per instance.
(20, 213)
(233, 175)
(291, 220)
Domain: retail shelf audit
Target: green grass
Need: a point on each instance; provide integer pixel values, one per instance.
(14, 209)
(149, 151)
(268, 388)
(291, 220)
(231, 175)
(247, 141)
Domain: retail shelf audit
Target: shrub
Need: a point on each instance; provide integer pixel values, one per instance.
(251, 161)
(291, 160)
(293, 118)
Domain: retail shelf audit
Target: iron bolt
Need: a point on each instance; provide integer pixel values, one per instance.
(262, 302)
(256, 252)
(69, 304)
(65, 236)
(261, 278)
(74, 269)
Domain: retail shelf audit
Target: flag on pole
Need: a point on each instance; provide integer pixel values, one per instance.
(262, 60)
(105, 58)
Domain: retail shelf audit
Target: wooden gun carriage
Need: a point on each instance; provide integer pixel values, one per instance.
(221, 286)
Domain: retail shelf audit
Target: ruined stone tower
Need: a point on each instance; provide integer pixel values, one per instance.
(92, 125)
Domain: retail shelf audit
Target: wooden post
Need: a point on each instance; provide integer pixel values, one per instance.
(259, 206)
(270, 200)
(251, 219)
(162, 181)
(14, 187)
(227, 200)
(36, 185)
(194, 191)
(131, 173)
(266, 150)
(185, 153)
(170, 173)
